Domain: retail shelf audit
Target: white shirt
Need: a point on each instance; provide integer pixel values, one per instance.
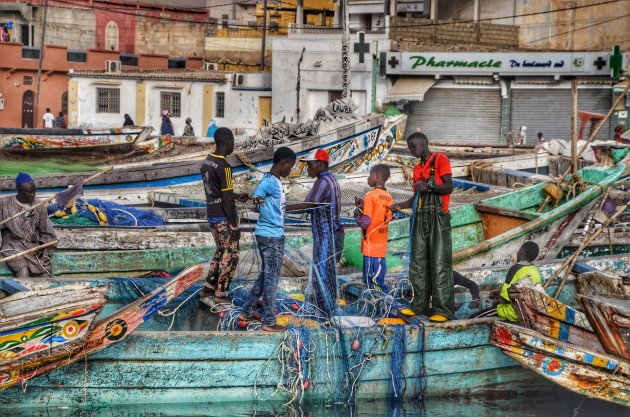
(49, 120)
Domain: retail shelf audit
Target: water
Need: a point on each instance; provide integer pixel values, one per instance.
(536, 397)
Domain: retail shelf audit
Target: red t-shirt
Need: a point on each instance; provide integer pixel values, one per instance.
(442, 167)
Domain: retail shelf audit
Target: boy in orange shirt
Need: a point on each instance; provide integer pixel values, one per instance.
(373, 216)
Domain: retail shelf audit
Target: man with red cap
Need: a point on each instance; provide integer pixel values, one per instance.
(328, 234)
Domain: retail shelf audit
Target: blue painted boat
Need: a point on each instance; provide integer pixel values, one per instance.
(197, 364)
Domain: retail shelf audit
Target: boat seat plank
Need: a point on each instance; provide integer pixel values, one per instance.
(502, 211)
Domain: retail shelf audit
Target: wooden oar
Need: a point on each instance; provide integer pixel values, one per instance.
(31, 250)
(48, 200)
(570, 262)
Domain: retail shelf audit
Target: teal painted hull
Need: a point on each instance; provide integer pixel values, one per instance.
(156, 366)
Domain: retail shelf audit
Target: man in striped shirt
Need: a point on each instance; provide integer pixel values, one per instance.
(324, 202)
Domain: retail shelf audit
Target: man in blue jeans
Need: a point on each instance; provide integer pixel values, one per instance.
(270, 199)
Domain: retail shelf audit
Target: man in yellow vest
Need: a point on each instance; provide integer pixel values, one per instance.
(523, 268)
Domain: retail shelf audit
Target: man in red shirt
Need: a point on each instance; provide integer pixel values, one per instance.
(431, 260)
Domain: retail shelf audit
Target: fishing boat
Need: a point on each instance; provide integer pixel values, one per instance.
(610, 316)
(346, 138)
(40, 142)
(426, 359)
(587, 372)
(68, 333)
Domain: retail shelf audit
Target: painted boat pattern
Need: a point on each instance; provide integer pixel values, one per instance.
(611, 320)
(585, 373)
(113, 328)
(85, 139)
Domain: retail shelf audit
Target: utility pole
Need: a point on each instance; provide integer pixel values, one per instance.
(264, 36)
(39, 65)
(345, 53)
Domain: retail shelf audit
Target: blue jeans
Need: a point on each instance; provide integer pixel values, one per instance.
(271, 252)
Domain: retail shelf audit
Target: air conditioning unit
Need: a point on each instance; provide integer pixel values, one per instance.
(210, 66)
(112, 66)
(238, 79)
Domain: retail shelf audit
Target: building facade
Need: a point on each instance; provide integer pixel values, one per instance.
(165, 27)
(99, 99)
(18, 77)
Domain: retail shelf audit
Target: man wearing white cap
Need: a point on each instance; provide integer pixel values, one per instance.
(325, 192)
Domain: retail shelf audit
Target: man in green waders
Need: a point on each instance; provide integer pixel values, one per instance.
(431, 263)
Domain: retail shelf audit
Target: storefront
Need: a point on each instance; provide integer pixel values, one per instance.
(476, 98)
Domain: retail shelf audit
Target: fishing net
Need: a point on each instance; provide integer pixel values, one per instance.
(336, 326)
(11, 167)
(106, 213)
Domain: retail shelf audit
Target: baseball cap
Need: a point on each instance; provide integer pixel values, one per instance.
(316, 155)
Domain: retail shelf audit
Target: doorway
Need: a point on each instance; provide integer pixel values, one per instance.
(264, 110)
(28, 101)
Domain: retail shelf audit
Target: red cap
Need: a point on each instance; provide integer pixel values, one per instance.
(316, 155)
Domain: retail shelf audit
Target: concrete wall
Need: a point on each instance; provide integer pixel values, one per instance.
(410, 30)
(171, 38)
(71, 27)
(597, 27)
(320, 73)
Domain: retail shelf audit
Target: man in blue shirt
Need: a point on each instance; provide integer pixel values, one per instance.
(270, 199)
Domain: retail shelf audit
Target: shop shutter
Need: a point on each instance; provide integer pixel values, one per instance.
(549, 110)
(458, 116)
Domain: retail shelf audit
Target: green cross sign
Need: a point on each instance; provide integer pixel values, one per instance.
(616, 62)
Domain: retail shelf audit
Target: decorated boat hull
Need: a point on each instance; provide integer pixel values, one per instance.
(69, 141)
(430, 359)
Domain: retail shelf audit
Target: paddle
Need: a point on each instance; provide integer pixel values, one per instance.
(589, 140)
(570, 262)
(48, 200)
(26, 252)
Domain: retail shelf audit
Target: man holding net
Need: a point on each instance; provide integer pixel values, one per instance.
(431, 263)
(324, 205)
(216, 173)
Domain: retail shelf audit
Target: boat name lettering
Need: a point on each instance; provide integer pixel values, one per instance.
(432, 62)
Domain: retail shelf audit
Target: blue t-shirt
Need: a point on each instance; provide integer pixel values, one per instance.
(271, 220)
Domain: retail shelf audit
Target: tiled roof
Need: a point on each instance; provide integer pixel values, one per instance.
(154, 74)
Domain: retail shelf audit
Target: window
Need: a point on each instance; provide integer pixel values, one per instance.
(77, 56)
(64, 103)
(220, 107)
(29, 52)
(111, 36)
(25, 32)
(108, 100)
(177, 62)
(129, 60)
(27, 80)
(334, 95)
(171, 102)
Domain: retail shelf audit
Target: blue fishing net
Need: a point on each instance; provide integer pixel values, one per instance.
(95, 211)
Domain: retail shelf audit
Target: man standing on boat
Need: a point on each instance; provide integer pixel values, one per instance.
(30, 229)
(325, 201)
(431, 259)
(216, 173)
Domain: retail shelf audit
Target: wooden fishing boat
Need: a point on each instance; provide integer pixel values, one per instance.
(344, 142)
(610, 317)
(98, 336)
(38, 142)
(437, 359)
(39, 326)
(578, 369)
(491, 231)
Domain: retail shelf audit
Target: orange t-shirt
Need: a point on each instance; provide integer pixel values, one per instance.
(374, 242)
(442, 167)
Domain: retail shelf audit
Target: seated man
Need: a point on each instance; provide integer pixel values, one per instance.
(28, 230)
(524, 267)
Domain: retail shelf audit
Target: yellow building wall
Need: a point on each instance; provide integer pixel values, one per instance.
(208, 104)
(73, 103)
(141, 104)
